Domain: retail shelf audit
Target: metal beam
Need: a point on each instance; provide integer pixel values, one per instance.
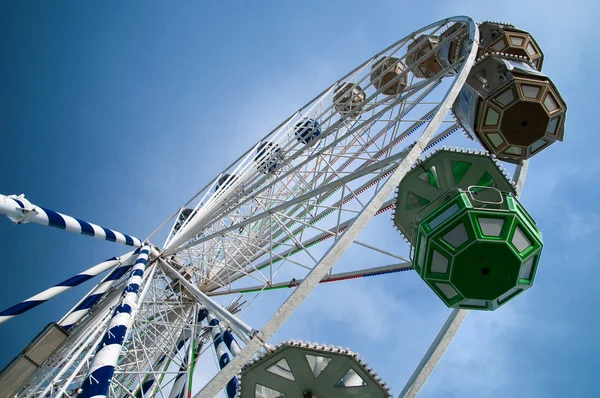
(238, 326)
(345, 241)
(327, 187)
(332, 231)
(434, 354)
(328, 278)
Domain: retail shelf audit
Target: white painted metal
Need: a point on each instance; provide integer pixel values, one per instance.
(332, 189)
(242, 330)
(335, 252)
(387, 268)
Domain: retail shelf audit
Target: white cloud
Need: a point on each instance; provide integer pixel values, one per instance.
(363, 313)
(581, 226)
(478, 363)
(394, 329)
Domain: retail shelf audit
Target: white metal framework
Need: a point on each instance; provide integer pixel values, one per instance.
(279, 217)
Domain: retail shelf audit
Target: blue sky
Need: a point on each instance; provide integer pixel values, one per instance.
(117, 113)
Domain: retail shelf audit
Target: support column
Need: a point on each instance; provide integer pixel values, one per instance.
(102, 368)
(241, 329)
(222, 355)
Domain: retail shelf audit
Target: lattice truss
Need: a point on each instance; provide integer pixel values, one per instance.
(267, 220)
(281, 214)
(253, 225)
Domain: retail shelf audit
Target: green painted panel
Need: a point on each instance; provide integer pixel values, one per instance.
(453, 207)
(480, 305)
(486, 180)
(459, 169)
(485, 270)
(430, 176)
(450, 302)
(420, 253)
(526, 218)
(427, 271)
(528, 233)
(413, 201)
(509, 296)
(438, 234)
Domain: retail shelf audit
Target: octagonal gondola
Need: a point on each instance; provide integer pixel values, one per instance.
(479, 250)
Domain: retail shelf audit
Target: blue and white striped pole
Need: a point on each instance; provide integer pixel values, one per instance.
(234, 347)
(222, 354)
(83, 307)
(20, 211)
(102, 369)
(63, 286)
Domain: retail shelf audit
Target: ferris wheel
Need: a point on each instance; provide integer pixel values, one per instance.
(281, 216)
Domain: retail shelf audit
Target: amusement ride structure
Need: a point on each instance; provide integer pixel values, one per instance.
(282, 215)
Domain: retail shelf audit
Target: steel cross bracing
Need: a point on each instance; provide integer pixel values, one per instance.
(59, 371)
(162, 317)
(345, 240)
(319, 237)
(163, 314)
(224, 249)
(333, 125)
(264, 247)
(81, 340)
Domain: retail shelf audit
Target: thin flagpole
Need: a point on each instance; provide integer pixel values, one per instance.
(20, 211)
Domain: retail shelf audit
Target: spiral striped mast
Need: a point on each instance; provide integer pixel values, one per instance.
(63, 286)
(102, 368)
(21, 211)
(84, 306)
(221, 351)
